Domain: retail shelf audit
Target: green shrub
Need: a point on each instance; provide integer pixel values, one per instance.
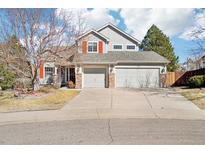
(8, 78)
(197, 81)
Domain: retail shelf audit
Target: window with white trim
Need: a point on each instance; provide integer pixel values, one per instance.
(49, 71)
(131, 47)
(203, 64)
(92, 47)
(117, 46)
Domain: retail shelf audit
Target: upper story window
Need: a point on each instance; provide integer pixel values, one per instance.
(131, 47)
(92, 46)
(117, 46)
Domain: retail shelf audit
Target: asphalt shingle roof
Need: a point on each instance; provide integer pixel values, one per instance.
(122, 57)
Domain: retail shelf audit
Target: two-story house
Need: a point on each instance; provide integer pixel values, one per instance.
(191, 64)
(108, 58)
(201, 62)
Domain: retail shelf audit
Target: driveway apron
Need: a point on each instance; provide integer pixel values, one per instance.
(132, 103)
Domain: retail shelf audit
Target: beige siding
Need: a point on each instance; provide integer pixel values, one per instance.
(116, 38)
(91, 37)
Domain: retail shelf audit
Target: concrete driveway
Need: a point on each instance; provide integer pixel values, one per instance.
(133, 103)
(115, 104)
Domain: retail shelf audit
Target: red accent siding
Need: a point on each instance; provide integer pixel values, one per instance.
(41, 69)
(84, 47)
(100, 46)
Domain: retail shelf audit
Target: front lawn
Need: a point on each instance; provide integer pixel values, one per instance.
(42, 100)
(196, 95)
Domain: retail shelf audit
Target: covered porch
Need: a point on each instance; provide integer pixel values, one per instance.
(66, 73)
(55, 74)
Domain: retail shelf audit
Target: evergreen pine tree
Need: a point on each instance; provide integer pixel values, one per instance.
(155, 40)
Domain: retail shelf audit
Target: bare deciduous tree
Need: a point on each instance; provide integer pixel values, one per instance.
(41, 34)
(199, 50)
(198, 37)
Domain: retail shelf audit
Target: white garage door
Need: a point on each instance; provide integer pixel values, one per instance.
(94, 77)
(137, 78)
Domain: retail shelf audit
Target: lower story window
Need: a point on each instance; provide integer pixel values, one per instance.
(49, 71)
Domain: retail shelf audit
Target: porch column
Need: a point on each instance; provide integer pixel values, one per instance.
(163, 76)
(78, 77)
(111, 75)
(56, 76)
(55, 70)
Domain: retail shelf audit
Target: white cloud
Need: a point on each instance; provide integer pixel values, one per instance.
(194, 31)
(170, 21)
(98, 17)
(138, 21)
(94, 17)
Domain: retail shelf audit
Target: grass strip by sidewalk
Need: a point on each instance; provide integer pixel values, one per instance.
(50, 101)
(196, 95)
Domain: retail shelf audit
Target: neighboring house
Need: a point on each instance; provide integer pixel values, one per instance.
(182, 66)
(191, 64)
(201, 62)
(108, 57)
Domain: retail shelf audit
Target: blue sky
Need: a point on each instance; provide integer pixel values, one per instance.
(175, 23)
(181, 46)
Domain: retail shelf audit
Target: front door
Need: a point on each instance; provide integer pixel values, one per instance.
(72, 75)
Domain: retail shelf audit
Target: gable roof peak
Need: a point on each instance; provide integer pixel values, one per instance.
(119, 30)
(94, 31)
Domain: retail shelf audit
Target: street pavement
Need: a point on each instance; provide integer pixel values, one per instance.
(106, 131)
(110, 116)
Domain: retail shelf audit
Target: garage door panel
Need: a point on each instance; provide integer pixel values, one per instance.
(94, 77)
(137, 78)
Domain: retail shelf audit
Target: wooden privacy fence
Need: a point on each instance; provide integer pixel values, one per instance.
(181, 78)
(172, 77)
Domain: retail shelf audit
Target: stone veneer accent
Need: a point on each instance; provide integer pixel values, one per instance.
(56, 81)
(163, 80)
(112, 80)
(78, 81)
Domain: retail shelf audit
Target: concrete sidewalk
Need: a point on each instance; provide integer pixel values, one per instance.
(114, 104)
(80, 114)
